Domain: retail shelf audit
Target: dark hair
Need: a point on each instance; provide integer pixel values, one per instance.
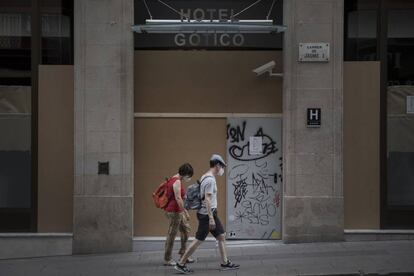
(186, 170)
(213, 163)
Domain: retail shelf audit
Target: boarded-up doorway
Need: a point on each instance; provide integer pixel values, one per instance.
(182, 101)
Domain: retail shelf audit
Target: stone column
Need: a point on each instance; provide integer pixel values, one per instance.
(103, 203)
(313, 196)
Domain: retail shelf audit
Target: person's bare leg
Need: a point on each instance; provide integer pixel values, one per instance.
(222, 247)
(190, 250)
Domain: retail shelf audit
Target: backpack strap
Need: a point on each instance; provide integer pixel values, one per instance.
(201, 181)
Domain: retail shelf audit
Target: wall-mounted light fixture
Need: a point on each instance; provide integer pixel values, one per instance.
(162, 26)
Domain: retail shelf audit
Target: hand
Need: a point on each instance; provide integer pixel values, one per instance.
(186, 215)
(212, 224)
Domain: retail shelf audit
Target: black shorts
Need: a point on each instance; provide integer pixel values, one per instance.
(204, 227)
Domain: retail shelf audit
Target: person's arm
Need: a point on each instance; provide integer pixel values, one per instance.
(207, 201)
(178, 198)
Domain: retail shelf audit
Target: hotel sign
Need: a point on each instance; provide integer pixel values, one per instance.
(314, 117)
(198, 10)
(314, 52)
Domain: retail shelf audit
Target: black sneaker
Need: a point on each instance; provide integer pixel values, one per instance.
(183, 269)
(229, 266)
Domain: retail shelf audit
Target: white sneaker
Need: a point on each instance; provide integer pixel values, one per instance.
(170, 263)
(189, 260)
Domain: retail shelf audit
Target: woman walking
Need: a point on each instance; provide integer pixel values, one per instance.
(176, 213)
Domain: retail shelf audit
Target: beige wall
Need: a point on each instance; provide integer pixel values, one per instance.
(223, 83)
(158, 153)
(206, 81)
(161, 146)
(55, 186)
(361, 145)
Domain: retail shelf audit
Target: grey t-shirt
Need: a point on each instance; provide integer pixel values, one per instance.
(209, 186)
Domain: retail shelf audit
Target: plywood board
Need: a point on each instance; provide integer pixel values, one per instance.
(206, 82)
(56, 148)
(361, 145)
(161, 146)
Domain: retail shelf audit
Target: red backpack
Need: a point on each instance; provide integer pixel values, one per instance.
(160, 196)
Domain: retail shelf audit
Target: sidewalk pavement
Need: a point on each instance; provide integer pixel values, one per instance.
(255, 257)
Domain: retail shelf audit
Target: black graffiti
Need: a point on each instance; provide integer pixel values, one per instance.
(262, 166)
(260, 198)
(240, 216)
(256, 212)
(268, 236)
(259, 184)
(240, 152)
(240, 190)
(270, 146)
(281, 168)
(258, 208)
(252, 218)
(256, 199)
(238, 171)
(236, 133)
(276, 177)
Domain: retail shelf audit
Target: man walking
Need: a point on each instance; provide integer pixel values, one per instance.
(208, 221)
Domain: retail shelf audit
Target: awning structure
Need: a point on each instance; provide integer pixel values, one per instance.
(208, 26)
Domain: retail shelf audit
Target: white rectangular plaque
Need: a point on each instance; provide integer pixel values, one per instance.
(314, 52)
(255, 145)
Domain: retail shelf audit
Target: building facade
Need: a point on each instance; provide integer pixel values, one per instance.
(93, 117)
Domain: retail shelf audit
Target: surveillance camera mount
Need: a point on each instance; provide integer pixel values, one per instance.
(275, 74)
(267, 68)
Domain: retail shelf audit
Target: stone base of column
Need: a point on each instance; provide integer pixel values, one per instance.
(102, 225)
(313, 219)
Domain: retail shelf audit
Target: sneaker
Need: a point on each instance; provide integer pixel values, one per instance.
(229, 266)
(170, 263)
(183, 269)
(189, 260)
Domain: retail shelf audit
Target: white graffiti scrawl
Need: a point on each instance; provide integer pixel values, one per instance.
(254, 180)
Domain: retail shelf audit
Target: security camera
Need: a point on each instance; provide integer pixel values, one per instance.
(266, 68)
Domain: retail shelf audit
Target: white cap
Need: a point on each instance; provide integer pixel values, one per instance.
(216, 157)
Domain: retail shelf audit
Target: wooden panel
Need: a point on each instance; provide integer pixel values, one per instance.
(206, 82)
(56, 128)
(361, 145)
(161, 146)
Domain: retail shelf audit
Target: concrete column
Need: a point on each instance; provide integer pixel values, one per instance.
(313, 176)
(103, 203)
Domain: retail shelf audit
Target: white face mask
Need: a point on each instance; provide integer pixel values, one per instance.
(187, 179)
(221, 172)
